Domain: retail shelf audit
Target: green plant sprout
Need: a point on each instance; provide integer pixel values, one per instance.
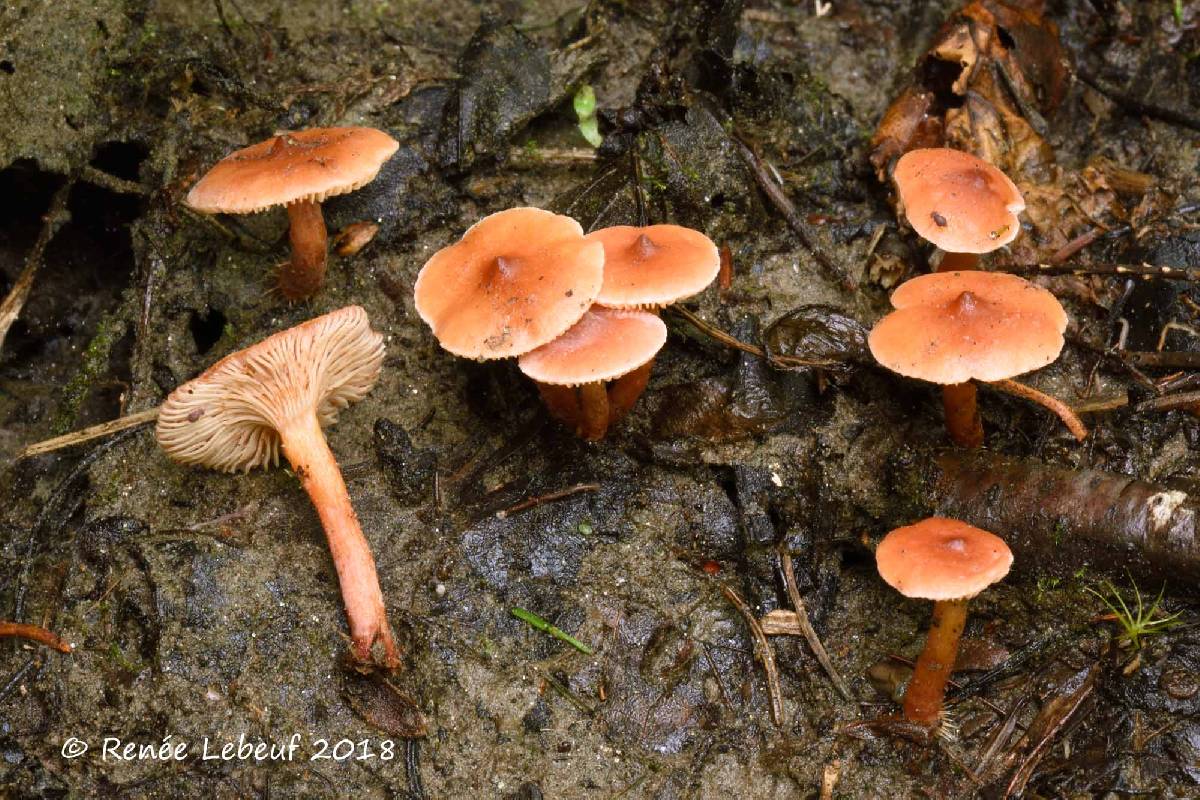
(585, 109)
(1137, 623)
(536, 622)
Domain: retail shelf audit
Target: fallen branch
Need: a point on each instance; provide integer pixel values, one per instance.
(34, 633)
(88, 434)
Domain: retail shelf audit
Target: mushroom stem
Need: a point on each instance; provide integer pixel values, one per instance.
(923, 700)
(561, 402)
(1052, 404)
(593, 417)
(962, 414)
(305, 447)
(955, 262)
(625, 391)
(304, 274)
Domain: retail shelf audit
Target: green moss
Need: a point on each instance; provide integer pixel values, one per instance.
(95, 364)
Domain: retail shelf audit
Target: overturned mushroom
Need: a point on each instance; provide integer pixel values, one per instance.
(298, 170)
(949, 562)
(605, 345)
(960, 203)
(277, 394)
(955, 327)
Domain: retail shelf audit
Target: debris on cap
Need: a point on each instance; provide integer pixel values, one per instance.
(302, 166)
(515, 281)
(654, 266)
(942, 559)
(952, 327)
(606, 344)
(957, 201)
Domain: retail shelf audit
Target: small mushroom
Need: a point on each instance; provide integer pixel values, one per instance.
(298, 170)
(949, 562)
(605, 345)
(646, 268)
(959, 202)
(516, 280)
(278, 394)
(955, 327)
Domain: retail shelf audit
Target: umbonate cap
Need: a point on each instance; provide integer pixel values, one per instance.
(959, 202)
(654, 266)
(942, 559)
(307, 166)
(515, 281)
(228, 418)
(952, 327)
(606, 344)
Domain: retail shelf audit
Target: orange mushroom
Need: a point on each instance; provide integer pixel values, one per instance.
(277, 395)
(649, 268)
(298, 170)
(959, 202)
(515, 281)
(955, 327)
(949, 562)
(605, 345)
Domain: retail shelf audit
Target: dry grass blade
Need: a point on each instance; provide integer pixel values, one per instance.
(810, 635)
(54, 218)
(88, 434)
(762, 649)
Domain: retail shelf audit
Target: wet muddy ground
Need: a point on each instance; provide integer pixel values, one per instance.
(205, 605)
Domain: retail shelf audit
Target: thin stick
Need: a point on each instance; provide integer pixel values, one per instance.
(785, 207)
(53, 219)
(88, 434)
(1062, 410)
(721, 336)
(1137, 105)
(1171, 402)
(810, 635)
(104, 180)
(34, 633)
(1167, 359)
(533, 502)
(1145, 271)
(762, 649)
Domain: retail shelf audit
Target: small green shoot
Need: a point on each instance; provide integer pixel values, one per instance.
(1178, 6)
(534, 621)
(1139, 622)
(585, 109)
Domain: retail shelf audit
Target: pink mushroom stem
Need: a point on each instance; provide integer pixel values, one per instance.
(962, 414)
(626, 390)
(593, 407)
(305, 447)
(304, 274)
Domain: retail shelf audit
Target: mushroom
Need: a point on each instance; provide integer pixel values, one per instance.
(959, 202)
(649, 268)
(516, 280)
(605, 345)
(278, 394)
(298, 170)
(949, 562)
(955, 327)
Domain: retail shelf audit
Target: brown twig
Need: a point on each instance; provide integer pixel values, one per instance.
(34, 633)
(1137, 105)
(1170, 402)
(1145, 271)
(88, 434)
(716, 333)
(810, 635)
(785, 207)
(114, 184)
(762, 649)
(1166, 359)
(1053, 404)
(53, 219)
(533, 502)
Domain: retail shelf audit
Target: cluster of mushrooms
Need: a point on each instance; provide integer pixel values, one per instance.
(578, 312)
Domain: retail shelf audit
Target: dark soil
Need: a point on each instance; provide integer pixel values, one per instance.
(205, 605)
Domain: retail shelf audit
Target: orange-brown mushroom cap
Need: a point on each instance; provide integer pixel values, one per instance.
(227, 418)
(952, 327)
(959, 202)
(654, 266)
(942, 559)
(606, 344)
(309, 165)
(516, 280)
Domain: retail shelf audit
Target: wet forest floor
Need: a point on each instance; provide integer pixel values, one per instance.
(205, 605)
